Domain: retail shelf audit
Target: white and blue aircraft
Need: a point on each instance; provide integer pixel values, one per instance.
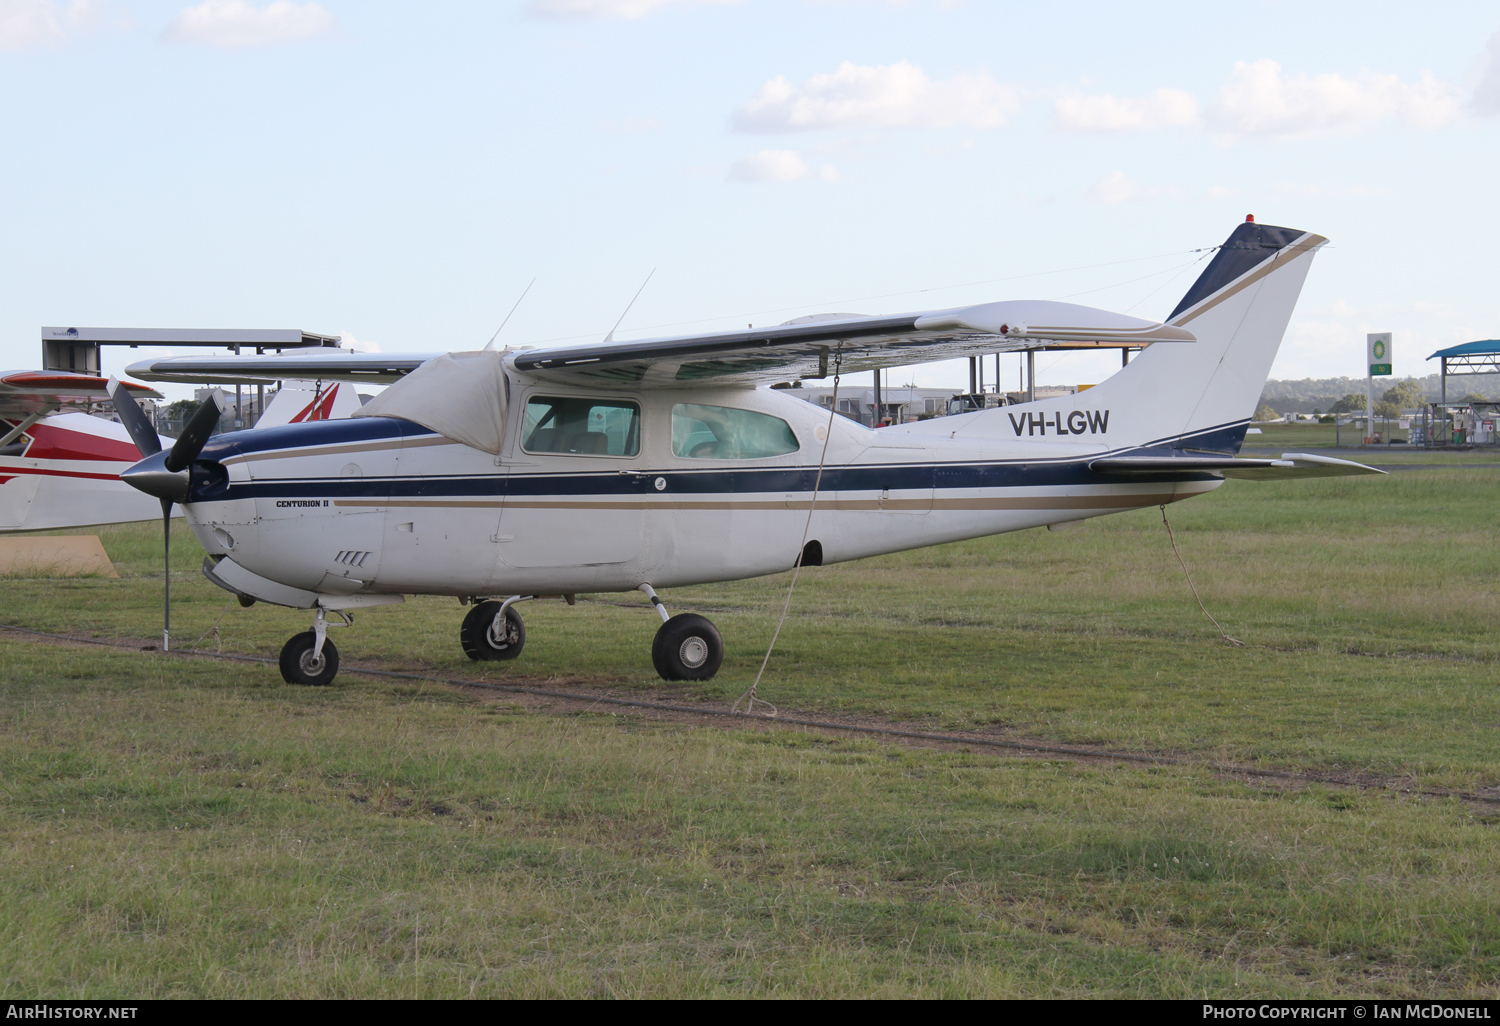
(498, 477)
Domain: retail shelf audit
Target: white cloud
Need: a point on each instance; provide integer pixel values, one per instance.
(1259, 101)
(779, 166)
(596, 10)
(348, 341)
(28, 23)
(1486, 98)
(231, 23)
(885, 96)
(1112, 114)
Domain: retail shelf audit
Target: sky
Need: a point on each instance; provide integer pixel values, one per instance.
(399, 173)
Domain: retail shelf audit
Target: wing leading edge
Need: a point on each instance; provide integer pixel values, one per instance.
(324, 365)
(811, 347)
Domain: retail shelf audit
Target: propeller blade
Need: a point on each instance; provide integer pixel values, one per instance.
(164, 474)
(134, 419)
(195, 436)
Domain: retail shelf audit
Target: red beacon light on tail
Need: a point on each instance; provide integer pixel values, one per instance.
(1249, 218)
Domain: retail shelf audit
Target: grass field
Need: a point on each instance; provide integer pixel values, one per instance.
(182, 827)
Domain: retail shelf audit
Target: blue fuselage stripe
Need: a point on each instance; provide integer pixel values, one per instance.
(940, 476)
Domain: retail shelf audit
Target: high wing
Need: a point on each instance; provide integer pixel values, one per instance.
(807, 348)
(1290, 465)
(322, 365)
(811, 347)
(31, 393)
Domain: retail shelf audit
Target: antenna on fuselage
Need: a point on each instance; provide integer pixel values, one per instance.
(611, 336)
(491, 343)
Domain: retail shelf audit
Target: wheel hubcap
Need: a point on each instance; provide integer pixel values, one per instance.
(310, 665)
(694, 653)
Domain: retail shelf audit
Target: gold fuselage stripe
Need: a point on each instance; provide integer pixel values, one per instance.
(1116, 501)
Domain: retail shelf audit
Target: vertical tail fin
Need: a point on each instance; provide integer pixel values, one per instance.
(1197, 395)
(299, 401)
(1238, 308)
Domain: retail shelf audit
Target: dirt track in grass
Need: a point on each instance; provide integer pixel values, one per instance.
(574, 696)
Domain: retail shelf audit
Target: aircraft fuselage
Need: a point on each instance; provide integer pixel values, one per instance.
(379, 506)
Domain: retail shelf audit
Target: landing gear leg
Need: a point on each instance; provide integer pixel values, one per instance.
(310, 658)
(494, 630)
(687, 646)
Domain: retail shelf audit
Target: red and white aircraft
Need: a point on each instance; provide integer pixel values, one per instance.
(62, 469)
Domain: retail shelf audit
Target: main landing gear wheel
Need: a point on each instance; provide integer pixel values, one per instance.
(298, 665)
(687, 647)
(485, 637)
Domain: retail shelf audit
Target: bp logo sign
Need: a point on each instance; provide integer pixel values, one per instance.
(1378, 351)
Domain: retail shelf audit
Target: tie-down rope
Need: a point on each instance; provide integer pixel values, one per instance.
(1170, 537)
(749, 697)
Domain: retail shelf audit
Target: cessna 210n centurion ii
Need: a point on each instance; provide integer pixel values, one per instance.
(498, 477)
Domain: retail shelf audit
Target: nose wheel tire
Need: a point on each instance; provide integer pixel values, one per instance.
(486, 639)
(687, 647)
(298, 665)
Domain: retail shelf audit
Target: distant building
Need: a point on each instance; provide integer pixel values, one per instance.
(901, 404)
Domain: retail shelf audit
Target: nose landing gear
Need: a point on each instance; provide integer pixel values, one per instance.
(310, 658)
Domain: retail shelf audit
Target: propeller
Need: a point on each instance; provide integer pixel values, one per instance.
(163, 473)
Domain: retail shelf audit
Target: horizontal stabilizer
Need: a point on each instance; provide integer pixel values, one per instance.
(1290, 465)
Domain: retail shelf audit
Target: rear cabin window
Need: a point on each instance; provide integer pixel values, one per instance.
(578, 426)
(724, 433)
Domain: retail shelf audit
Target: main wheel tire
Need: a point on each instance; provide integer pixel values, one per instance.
(480, 645)
(687, 647)
(298, 665)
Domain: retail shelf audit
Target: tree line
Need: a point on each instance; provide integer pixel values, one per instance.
(1347, 395)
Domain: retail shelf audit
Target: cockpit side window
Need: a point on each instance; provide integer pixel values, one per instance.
(724, 433)
(581, 426)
